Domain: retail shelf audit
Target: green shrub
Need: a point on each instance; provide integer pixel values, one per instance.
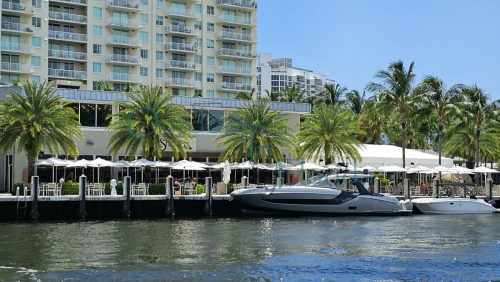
(157, 189)
(200, 189)
(230, 188)
(70, 189)
(21, 189)
(383, 181)
(118, 187)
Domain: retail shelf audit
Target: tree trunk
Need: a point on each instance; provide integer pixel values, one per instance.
(31, 167)
(478, 133)
(403, 137)
(440, 140)
(147, 174)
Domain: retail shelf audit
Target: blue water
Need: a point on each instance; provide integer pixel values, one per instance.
(415, 248)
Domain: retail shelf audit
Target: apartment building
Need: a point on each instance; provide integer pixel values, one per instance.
(204, 48)
(274, 74)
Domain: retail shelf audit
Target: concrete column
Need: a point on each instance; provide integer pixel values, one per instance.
(488, 188)
(244, 182)
(208, 192)
(279, 181)
(126, 191)
(34, 193)
(435, 188)
(82, 185)
(170, 196)
(406, 189)
(376, 185)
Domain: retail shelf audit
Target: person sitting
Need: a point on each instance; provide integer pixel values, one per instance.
(194, 182)
(177, 184)
(70, 178)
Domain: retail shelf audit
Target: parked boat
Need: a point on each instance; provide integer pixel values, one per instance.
(320, 196)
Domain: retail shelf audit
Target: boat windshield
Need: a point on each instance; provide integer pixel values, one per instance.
(317, 181)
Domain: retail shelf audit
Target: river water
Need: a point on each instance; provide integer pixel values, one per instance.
(414, 248)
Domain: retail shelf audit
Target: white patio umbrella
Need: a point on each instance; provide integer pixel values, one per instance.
(100, 163)
(80, 163)
(53, 162)
(483, 169)
(309, 166)
(160, 164)
(226, 175)
(142, 163)
(369, 168)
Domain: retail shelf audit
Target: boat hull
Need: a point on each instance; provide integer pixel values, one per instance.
(453, 206)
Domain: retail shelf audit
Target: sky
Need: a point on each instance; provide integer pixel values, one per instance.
(350, 40)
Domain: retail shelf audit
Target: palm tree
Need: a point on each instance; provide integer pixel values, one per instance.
(436, 99)
(355, 101)
(372, 123)
(330, 132)
(332, 94)
(272, 95)
(254, 132)
(395, 92)
(292, 94)
(147, 120)
(104, 86)
(38, 119)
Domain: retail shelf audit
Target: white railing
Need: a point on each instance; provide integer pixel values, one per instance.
(124, 4)
(239, 3)
(182, 12)
(236, 36)
(181, 47)
(234, 86)
(123, 22)
(16, 67)
(67, 17)
(117, 76)
(188, 65)
(124, 59)
(236, 53)
(67, 36)
(236, 20)
(232, 69)
(18, 47)
(68, 73)
(17, 27)
(124, 40)
(181, 82)
(71, 55)
(82, 2)
(182, 29)
(14, 7)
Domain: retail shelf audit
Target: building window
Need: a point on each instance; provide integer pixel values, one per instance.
(210, 61)
(36, 61)
(210, 10)
(143, 71)
(210, 94)
(97, 49)
(143, 18)
(159, 73)
(143, 35)
(198, 25)
(228, 95)
(144, 2)
(93, 115)
(178, 92)
(97, 12)
(36, 42)
(210, 44)
(159, 38)
(97, 30)
(198, 42)
(159, 3)
(198, 59)
(144, 53)
(210, 77)
(198, 8)
(197, 76)
(36, 79)
(36, 22)
(159, 55)
(210, 27)
(159, 20)
(37, 3)
(96, 67)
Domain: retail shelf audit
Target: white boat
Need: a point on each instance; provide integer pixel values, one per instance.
(452, 204)
(318, 197)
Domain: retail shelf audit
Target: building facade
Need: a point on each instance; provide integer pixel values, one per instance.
(203, 48)
(274, 74)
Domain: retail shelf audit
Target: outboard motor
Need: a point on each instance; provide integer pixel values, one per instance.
(406, 204)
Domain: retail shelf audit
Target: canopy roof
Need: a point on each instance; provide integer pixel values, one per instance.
(378, 155)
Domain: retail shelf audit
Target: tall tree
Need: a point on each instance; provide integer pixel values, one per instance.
(330, 133)
(332, 94)
(355, 101)
(395, 92)
(146, 120)
(272, 95)
(292, 94)
(38, 119)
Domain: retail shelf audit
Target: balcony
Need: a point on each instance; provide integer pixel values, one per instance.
(236, 20)
(124, 5)
(17, 28)
(182, 65)
(21, 48)
(234, 86)
(67, 55)
(123, 59)
(123, 23)
(182, 30)
(75, 2)
(123, 41)
(182, 13)
(234, 53)
(123, 77)
(16, 68)
(16, 8)
(182, 82)
(244, 5)
(235, 36)
(67, 73)
(235, 70)
(67, 36)
(181, 47)
(67, 17)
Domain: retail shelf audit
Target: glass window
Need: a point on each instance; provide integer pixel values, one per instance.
(198, 42)
(210, 27)
(210, 94)
(159, 20)
(97, 12)
(159, 38)
(36, 61)
(143, 71)
(159, 3)
(36, 42)
(210, 77)
(95, 85)
(228, 95)
(197, 76)
(210, 43)
(199, 121)
(144, 2)
(36, 79)
(143, 18)
(198, 8)
(159, 55)
(97, 30)
(36, 22)
(143, 35)
(36, 3)
(178, 92)
(97, 49)
(103, 111)
(198, 25)
(198, 59)
(144, 53)
(159, 73)
(96, 67)
(210, 61)
(210, 10)
(87, 114)
(215, 120)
